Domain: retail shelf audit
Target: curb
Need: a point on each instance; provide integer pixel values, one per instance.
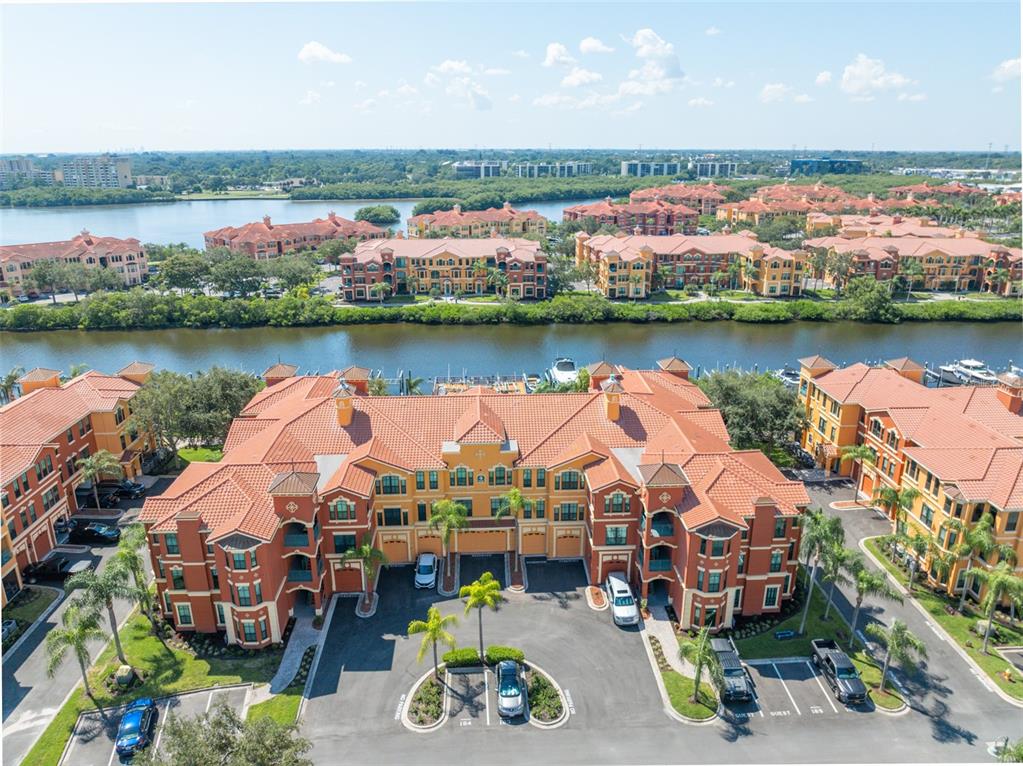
(61, 594)
(525, 577)
(981, 675)
(316, 658)
(374, 602)
(894, 713)
(669, 710)
(458, 573)
(416, 728)
(590, 603)
(565, 713)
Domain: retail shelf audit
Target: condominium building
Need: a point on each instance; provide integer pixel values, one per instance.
(449, 266)
(264, 239)
(772, 271)
(711, 167)
(960, 447)
(655, 217)
(96, 172)
(479, 168)
(505, 221)
(648, 168)
(43, 434)
(634, 475)
(569, 169)
(126, 257)
(950, 191)
(22, 169)
(881, 225)
(703, 198)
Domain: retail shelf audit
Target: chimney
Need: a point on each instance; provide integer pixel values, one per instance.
(1010, 392)
(457, 208)
(612, 395)
(608, 200)
(331, 216)
(343, 404)
(266, 222)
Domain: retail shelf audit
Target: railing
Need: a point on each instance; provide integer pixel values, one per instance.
(663, 528)
(660, 565)
(296, 540)
(300, 575)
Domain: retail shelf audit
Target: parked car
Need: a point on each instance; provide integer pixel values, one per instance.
(10, 627)
(426, 570)
(623, 605)
(123, 487)
(511, 689)
(133, 733)
(51, 567)
(86, 498)
(735, 684)
(95, 532)
(839, 671)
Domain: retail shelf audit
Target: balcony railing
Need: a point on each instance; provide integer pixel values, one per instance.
(663, 529)
(660, 565)
(296, 540)
(300, 575)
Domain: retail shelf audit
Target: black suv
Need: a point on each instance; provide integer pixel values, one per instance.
(123, 487)
(86, 498)
(736, 684)
(95, 532)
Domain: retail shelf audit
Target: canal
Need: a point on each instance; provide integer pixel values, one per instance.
(440, 350)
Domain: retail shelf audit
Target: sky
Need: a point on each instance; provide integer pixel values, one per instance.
(912, 76)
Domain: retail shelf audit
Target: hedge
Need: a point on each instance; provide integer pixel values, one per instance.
(461, 658)
(496, 654)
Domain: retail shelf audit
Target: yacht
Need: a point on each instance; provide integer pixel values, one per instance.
(948, 374)
(787, 375)
(973, 371)
(563, 371)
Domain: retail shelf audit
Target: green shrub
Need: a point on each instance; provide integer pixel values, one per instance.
(496, 654)
(762, 312)
(461, 658)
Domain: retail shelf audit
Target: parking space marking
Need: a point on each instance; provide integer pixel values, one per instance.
(209, 701)
(824, 691)
(786, 688)
(486, 694)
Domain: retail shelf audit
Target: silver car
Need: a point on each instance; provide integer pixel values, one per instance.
(511, 689)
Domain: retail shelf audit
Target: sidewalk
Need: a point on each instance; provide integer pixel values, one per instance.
(659, 627)
(303, 635)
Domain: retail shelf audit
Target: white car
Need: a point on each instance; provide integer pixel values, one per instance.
(426, 570)
(623, 605)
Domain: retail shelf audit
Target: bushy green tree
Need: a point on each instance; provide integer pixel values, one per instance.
(758, 409)
(870, 301)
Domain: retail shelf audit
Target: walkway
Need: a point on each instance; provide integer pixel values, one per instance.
(303, 635)
(659, 626)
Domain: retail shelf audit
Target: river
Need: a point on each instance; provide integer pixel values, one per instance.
(185, 221)
(481, 350)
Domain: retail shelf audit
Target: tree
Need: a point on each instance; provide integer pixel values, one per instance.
(105, 278)
(101, 588)
(378, 386)
(498, 280)
(435, 630)
(186, 272)
(901, 646)
(332, 250)
(219, 737)
(383, 215)
(133, 540)
(1001, 581)
(979, 540)
(818, 263)
(834, 564)
(76, 278)
(898, 502)
(369, 557)
(697, 651)
(380, 289)
(840, 266)
(234, 273)
(413, 386)
(734, 272)
(867, 583)
(484, 593)
(913, 271)
(47, 277)
(1011, 753)
(757, 408)
(512, 505)
(9, 384)
(870, 301)
(94, 467)
(587, 273)
(820, 533)
(919, 543)
(665, 275)
(447, 516)
(859, 453)
(79, 626)
(293, 271)
(77, 369)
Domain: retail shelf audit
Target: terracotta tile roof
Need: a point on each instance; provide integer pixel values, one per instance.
(15, 459)
(663, 475)
(816, 362)
(601, 368)
(456, 217)
(479, 424)
(607, 208)
(424, 249)
(630, 246)
(137, 368)
(608, 471)
(265, 231)
(679, 192)
(280, 370)
(909, 246)
(38, 374)
(82, 246)
(904, 363)
(674, 364)
(293, 483)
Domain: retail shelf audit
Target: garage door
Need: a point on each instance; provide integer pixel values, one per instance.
(569, 542)
(482, 541)
(534, 542)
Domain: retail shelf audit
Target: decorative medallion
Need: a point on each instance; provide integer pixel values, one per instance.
(292, 507)
(665, 497)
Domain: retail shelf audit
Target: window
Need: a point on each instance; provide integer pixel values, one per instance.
(617, 503)
(391, 485)
(785, 587)
(392, 517)
(215, 578)
(242, 595)
(258, 587)
(541, 477)
(343, 543)
(779, 528)
(775, 561)
(177, 579)
(615, 535)
(461, 477)
(926, 514)
(220, 614)
(500, 477)
(262, 628)
(249, 630)
(421, 511)
(714, 582)
(699, 579)
(771, 596)
(737, 598)
(1011, 521)
(703, 546)
(541, 509)
(238, 560)
(184, 614)
(342, 510)
(527, 477)
(420, 480)
(433, 480)
(742, 563)
(566, 512)
(171, 541)
(717, 548)
(568, 480)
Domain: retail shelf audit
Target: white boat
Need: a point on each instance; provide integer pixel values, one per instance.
(787, 375)
(948, 374)
(973, 371)
(563, 371)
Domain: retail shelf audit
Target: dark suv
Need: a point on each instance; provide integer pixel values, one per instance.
(102, 534)
(735, 684)
(123, 487)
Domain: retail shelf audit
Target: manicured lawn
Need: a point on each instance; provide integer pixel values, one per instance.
(282, 708)
(870, 672)
(872, 545)
(780, 456)
(200, 454)
(165, 670)
(680, 691)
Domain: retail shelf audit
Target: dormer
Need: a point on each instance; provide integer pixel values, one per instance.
(294, 495)
(600, 372)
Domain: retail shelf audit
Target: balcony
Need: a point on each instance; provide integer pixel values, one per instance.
(300, 575)
(663, 528)
(296, 540)
(660, 565)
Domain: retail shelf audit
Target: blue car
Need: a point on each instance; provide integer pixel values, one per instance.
(136, 723)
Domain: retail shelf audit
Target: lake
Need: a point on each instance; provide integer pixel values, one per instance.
(481, 350)
(164, 222)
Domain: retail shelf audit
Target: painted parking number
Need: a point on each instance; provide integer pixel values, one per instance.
(816, 710)
(780, 712)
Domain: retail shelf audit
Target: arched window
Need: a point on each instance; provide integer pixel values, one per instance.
(461, 477)
(500, 476)
(390, 484)
(568, 480)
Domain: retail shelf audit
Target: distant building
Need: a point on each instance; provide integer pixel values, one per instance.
(644, 168)
(817, 166)
(505, 221)
(153, 182)
(264, 239)
(569, 169)
(98, 172)
(704, 198)
(652, 217)
(711, 167)
(22, 168)
(479, 168)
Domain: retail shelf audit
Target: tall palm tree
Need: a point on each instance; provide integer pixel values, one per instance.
(103, 463)
(77, 369)
(820, 531)
(697, 651)
(979, 540)
(371, 559)
(859, 453)
(414, 386)
(99, 589)
(133, 540)
(919, 543)
(1001, 581)
(900, 645)
(512, 506)
(435, 630)
(498, 280)
(733, 271)
(484, 593)
(898, 502)
(9, 384)
(447, 516)
(834, 564)
(868, 583)
(78, 626)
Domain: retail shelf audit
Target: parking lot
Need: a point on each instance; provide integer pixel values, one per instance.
(92, 743)
(472, 700)
(472, 566)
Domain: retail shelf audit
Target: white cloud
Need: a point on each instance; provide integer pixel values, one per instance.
(774, 91)
(1007, 70)
(471, 92)
(431, 80)
(521, 54)
(594, 45)
(803, 98)
(912, 97)
(554, 100)
(712, 32)
(404, 89)
(579, 76)
(650, 45)
(364, 106)
(721, 82)
(310, 97)
(635, 106)
(557, 55)
(864, 76)
(823, 78)
(514, 98)
(700, 101)
(313, 51)
(451, 66)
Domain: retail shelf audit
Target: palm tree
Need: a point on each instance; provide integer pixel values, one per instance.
(381, 289)
(979, 540)
(435, 630)
(99, 591)
(834, 564)
(498, 280)
(919, 543)
(512, 506)
(103, 463)
(447, 516)
(867, 582)
(482, 593)
(371, 559)
(378, 387)
(898, 502)
(697, 651)
(1001, 581)
(900, 645)
(414, 386)
(79, 626)
(734, 270)
(133, 539)
(859, 452)
(9, 384)
(820, 532)
(77, 369)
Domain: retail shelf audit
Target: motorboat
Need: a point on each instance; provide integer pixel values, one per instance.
(948, 374)
(563, 371)
(974, 371)
(788, 376)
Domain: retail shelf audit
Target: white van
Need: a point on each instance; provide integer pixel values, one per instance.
(623, 605)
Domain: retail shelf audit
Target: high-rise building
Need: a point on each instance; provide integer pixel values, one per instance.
(97, 172)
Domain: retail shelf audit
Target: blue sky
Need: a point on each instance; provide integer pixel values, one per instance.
(716, 75)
